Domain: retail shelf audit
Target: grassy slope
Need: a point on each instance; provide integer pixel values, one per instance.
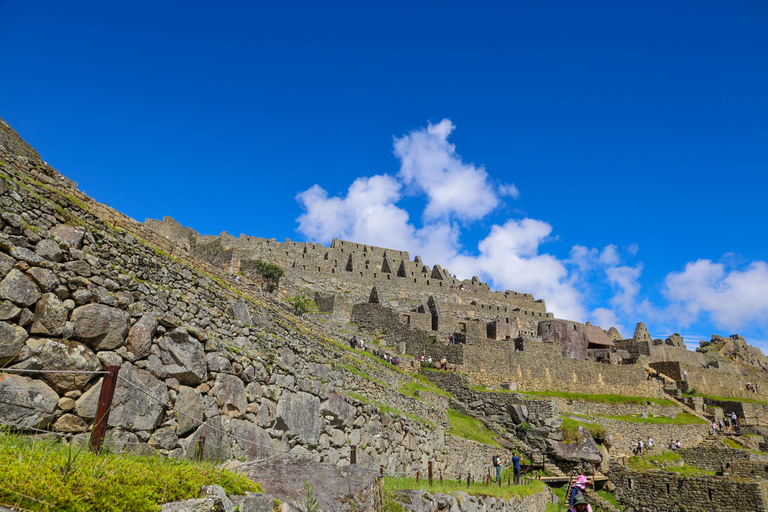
(475, 489)
(49, 476)
(470, 428)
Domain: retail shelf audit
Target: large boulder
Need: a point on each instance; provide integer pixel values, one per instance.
(183, 357)
(584, 450)
(100, 327)
(299, 415)
(19, 289)
(190, 409)
(65, 355)
(338, 411)
(70, 235)
(519, 413)
(140, 336)
(12, 338)
(49, 250)
(46, 279)
(25, 402)
(239, 311)
(138, 404)
(50, 316)
(229, 392)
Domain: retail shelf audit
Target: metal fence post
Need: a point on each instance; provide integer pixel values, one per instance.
(105, 404)
(430, 472)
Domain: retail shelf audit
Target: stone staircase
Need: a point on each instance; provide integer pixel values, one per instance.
(710, 441)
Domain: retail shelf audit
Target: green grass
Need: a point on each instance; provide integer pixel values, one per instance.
(604, 399)
(470, 428)
(419, 383)
(474, 489)
(730, 399)
(730, 443)
(360, 373)
(666, 461)
(43, 476)
(683, 418)
(570, 429)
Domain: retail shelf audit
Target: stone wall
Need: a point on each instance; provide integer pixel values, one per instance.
(655, 491)
(463, 502)
(722, 383)
(602, 409)
(540, 367)
(714, 459)
(748, 469)
(625, 433)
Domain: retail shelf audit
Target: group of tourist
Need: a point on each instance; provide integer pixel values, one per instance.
(653, 374)
(674, 445)
(453, 340)
(640, 446)
(357, 343)
(391, 359)
(442, 365)
(497, 462)
(751, 387)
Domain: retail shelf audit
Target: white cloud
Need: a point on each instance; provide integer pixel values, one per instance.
(733, 299)
(430, 164)
(626, 280)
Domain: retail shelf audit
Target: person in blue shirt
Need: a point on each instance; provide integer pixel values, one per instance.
(516, 467)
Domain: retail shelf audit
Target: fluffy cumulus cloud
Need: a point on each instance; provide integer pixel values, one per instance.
(733, 298)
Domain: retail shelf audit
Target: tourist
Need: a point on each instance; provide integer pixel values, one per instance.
(734, 421)
(496, 460)
(429, 361)
(685, 375)
(578, 490)
(443, 364)
(672, 445)
(639, 446)
(580, 504)
(650, 442)
(353, 342)
(726, 422)
(678, 444)
(516, 468)
(714, 428)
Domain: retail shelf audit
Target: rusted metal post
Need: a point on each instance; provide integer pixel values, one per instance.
(441, 477)
(468, 477)
(418, 473)
(430, 472)
(488, 479)
(381, 469)
(105, 404)
(200, 449)
(353, 455)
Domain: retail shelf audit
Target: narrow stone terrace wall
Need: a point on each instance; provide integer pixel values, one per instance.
(625, 433)
(598, 409)
(714, 458)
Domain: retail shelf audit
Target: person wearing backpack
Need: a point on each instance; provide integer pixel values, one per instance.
(497, 464)
(577, 494)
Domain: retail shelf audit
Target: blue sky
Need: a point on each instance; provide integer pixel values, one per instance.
(609, 157)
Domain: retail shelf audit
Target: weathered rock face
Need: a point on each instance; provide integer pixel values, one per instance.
(65, 355)
(140, 336)
(189, 403)
(239, 310)
(26, 402)
(50, 316)
(70, 235)
(49, 250)
(229, 392)
(585, 450)
(299, 415)
(138, 404)
(519, 413)
(183, 357)
(333, 486)
(19, 289)
(572, 337)
(100, 327)
(340, 412)
(12, 338)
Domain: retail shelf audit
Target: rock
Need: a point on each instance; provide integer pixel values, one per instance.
(254, 503)
(299, 414)
(340, 411)
(65, 355)
(183, 357)
(19, 289)
(189, 407)
(239, 311)
(46, 279)
(100, 327)
(8, 311)
(27, 402)
(49, 250)
(25, 317)
(141, 334)
(586, 450)
(132, 408)
(12, 338)
(79, 267)
(164, 438)
(72, 236)
(519, 413)
(70, 423)
(50, 316)
(229, 392)
(218, 363)
(25, 255)
(66, 404)
(108, 358)
(6, 264)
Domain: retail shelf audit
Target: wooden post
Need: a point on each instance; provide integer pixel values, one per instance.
(200, 448)
(430, 472)
(381, 469)
(322, 459)
(105, 404)
(441, 477)
(418, 473)
(353, 455)
(468, 476)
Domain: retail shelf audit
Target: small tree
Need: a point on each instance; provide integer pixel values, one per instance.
(270, 274)
(302, 302)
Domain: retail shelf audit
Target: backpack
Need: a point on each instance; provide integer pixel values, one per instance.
(495, 460)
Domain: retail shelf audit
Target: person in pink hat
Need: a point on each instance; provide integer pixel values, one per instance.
(578, 490)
